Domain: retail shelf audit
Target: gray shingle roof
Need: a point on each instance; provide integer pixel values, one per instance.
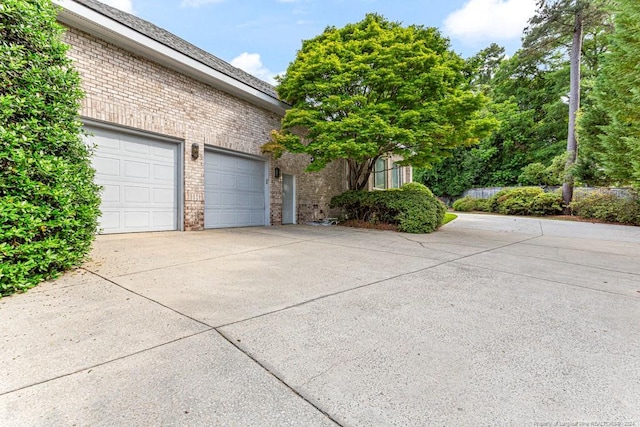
(174, 42)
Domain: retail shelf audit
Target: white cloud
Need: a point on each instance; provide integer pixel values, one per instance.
(198, 3)
(490, 20)
(252, 64)
(124, 5)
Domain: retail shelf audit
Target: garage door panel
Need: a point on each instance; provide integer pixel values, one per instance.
(110, 220)
(228, 199)
(227, 181)
(244, 201)
(244, 182)
(164, 173)
(243, 217)
(139, 176)
(162, 152)
(136, 220)
(110, 193)
(136, 146)
(134, 195)
(256, 183)
(257, 218)
(106, 166)
(234, 191)
(163, 196)
(257, 202)
(136, 170)
(105, 141)
(162, 219)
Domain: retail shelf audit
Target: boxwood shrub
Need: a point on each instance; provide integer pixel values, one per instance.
(413, 207)
(48, 201)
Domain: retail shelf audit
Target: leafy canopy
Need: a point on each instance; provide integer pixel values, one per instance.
(376, 88)
(529, 94)
(48, 201)
(611, 128)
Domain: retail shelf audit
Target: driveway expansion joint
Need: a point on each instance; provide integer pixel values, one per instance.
(548, 280)
(278, 378)
(355, 288)
(87, 368)
(150, 299)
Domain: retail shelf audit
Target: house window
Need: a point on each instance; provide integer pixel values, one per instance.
(396, 177)
(380, 175)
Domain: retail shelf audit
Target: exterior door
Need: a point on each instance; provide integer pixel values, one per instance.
(288, 199)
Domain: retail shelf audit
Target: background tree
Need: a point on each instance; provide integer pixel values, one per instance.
(611, 128)
(48, 202)
(376, 88)
(555, 23)
(529, 98)
(527, 102)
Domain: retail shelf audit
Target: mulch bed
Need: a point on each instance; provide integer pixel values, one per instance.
(370, 225)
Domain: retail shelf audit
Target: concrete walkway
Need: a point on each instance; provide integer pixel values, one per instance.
(490, 321)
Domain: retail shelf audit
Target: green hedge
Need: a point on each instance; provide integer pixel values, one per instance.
(468, 204)
(48, 202)
(413, 208)
(608, 207)
(514, 201)
(526, 201)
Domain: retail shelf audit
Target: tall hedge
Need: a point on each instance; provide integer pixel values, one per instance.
(48, 201)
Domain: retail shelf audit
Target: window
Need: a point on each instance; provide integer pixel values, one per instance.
(380, 175)
(396, 177)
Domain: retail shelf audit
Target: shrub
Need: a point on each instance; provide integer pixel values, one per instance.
(482, 205)
(48, 202)
(608, 207)
(526, 201)
(465, 204)
(539, 174)
(416, 186)
(547, 204)
(413, 208)
(534, 174)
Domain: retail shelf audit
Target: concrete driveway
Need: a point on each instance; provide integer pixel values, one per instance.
(490, 321)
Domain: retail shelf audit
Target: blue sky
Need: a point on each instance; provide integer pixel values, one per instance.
(263, 36)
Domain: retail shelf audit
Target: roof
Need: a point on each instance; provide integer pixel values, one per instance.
(174, 42)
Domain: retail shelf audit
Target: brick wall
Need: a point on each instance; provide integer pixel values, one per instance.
(124, 89)
(314, 190)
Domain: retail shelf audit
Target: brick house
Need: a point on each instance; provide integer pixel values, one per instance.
(178, 133)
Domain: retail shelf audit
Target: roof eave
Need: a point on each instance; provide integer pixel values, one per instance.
(85, 19)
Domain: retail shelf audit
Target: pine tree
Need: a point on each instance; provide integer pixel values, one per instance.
(613, 123)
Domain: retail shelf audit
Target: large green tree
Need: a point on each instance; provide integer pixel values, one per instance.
(48, 202)
(610, 129)
(557, 25)
(377, 88)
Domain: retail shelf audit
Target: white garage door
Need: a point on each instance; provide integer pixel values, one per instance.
(139, 176)
(234, 191)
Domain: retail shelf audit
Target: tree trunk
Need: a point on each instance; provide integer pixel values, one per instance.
(574, 105)
(359, 173)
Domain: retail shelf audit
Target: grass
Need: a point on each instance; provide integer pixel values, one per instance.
(448, 217)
